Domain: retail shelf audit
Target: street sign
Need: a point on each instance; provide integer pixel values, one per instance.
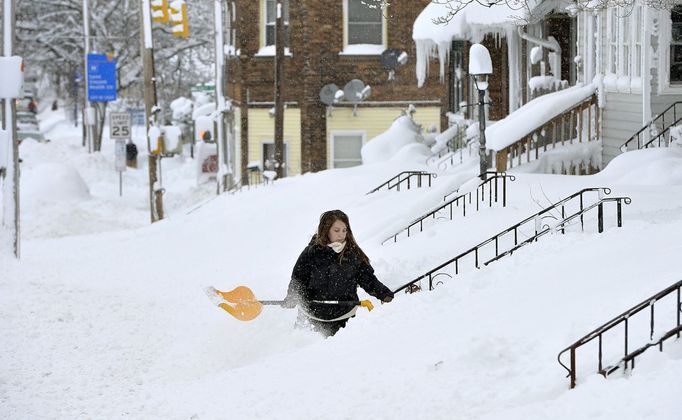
(137, 115)
(120, 162)
(119, 125)
(120, 155)
(101, 78)
(202, 87)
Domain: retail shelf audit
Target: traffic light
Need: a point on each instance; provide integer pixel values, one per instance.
(178, 18)
(160, 12)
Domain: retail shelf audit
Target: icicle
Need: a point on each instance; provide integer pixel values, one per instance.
(513, 53)
(424, 49)
(443, 57)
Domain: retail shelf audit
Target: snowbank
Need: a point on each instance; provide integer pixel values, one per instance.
(654, 166)
(116, 325)
(404, 131)
(51, 182)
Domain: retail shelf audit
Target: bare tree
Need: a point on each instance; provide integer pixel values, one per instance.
(50, 35)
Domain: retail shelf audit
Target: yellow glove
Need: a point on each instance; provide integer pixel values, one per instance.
(367, 304)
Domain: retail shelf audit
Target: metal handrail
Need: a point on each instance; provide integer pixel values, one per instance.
(550, 132)
(480, 197)
(540, 230)
(562, 224)
(648, 126)
(410, 174)
(629, 357)
(442, 165)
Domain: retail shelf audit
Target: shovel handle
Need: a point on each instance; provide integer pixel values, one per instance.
(327, 302)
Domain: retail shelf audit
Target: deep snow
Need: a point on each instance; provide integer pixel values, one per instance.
(105, 317)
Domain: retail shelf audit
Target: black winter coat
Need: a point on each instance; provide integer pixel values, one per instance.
(319, 275)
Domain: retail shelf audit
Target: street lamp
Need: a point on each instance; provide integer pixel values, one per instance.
(480, 67)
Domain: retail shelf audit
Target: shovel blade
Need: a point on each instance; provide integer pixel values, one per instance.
(241, 303)
(243, 311)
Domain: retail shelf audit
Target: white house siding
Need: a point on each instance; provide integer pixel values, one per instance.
(622, 117)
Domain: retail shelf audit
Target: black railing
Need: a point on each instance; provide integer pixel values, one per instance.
(625, 319)
(255, 178)
(405, 177)
(492, 184)
(457, 156)
(456, 142)
(656, 128)
(540, 229)
(444, 151)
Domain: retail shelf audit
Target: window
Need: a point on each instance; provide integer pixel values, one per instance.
(268, 161)
(270, 14)
(364, 26)
(637, 38)
(613, 21)
(625, 50)
(676, 46)
(624, 44)
(346, 149)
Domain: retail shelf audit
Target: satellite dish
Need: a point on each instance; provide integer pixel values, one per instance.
(389, 58)
(353, 90)
(328, 94)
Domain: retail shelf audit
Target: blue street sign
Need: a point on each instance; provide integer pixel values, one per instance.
(101, 78)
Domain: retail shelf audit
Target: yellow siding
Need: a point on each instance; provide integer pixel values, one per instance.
(262, 130)
(237, 141)
(373, 121)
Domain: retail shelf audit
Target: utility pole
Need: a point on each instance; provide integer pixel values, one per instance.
(10, 180)
(222, 132)
(151, 110)
(279, 102)
(88, 112)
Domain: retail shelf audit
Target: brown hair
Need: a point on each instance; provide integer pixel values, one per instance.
(327, 219)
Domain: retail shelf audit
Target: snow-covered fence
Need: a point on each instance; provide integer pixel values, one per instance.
(659, 132)
(581, 123)
(657, 333)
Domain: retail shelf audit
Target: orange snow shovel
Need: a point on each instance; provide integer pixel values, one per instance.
(242, 304)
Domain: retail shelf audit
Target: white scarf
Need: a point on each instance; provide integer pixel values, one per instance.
(337, 246)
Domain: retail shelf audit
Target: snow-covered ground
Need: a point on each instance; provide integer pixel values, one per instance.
(105, 316)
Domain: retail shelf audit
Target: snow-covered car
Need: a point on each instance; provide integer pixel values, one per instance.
(27, 104)
(27, 121)
(27, 127)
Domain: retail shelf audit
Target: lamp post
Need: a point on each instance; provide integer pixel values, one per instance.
(480, 67)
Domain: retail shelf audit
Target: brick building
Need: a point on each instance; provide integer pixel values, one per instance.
(329, 41)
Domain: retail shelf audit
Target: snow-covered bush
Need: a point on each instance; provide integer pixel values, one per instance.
(403, 132)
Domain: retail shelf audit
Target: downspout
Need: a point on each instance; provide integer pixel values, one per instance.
(549, 43)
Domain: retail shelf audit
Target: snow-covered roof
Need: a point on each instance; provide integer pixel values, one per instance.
(471, 23)
(464, 23)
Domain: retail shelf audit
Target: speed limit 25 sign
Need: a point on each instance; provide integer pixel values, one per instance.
(119, 125)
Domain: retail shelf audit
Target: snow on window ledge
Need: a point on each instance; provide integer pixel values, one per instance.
(269, 51)
(363, 49)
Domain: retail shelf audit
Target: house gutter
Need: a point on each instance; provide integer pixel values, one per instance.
(549, 43)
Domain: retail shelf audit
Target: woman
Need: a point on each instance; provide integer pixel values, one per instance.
(331, 268)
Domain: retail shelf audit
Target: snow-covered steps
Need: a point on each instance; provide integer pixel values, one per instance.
(407, 179)
(663, 323)
(658, 132)
(565, 213)
(492, 190)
